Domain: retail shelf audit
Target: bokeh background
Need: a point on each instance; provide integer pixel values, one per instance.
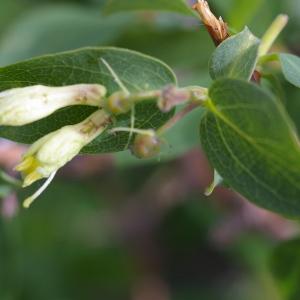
(115, 228)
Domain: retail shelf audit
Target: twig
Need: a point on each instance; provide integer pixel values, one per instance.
(177, 118)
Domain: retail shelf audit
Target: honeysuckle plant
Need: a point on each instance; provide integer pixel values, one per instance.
(104, 100)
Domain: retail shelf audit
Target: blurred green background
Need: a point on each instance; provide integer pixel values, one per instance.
(115, 228)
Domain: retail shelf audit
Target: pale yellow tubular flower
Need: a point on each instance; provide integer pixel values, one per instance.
(54, 150)
(21, 106)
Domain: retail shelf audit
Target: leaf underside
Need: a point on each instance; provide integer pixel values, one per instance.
(251, 142)
(236, 57)
(291, 68)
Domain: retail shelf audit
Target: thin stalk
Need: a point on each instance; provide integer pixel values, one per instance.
(272, 33)
(145, 95)
(268, 58)
(179, 116)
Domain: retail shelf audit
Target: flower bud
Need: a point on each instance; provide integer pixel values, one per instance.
(119, 103)
(146, 146)
(172, 96)
(54, 150)
(22, 106)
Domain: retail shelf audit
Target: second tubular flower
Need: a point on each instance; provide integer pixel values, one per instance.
(54, 150)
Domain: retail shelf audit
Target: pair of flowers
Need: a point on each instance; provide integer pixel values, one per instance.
(21, 106)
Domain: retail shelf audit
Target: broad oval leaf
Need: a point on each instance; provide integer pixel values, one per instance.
(137, 72)
(291, 68)
(178, 6)
(250, 140)
(236, 57)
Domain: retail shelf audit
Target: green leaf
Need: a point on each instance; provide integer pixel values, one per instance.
(178, 6)
(251, 142)
(138, 72)
(291, 68)
(236, 57)
(285, 267)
